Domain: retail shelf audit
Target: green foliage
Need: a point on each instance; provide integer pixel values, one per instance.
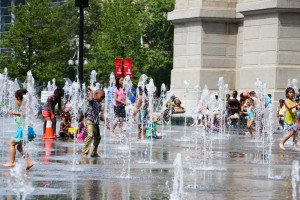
(119, 25)
(108, 25)
(158, 35)
(125, 22)
(51, 33)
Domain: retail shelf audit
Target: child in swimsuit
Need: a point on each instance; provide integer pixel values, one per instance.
(16, 141)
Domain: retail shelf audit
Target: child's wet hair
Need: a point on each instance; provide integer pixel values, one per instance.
(59, 92)
(20, 93)
(251, 101)
(252, 93)
(289, 89)
(281, 101)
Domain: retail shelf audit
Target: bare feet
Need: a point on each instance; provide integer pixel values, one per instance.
(9, 164)
(29, 165)
(84, 155)
(281, 146)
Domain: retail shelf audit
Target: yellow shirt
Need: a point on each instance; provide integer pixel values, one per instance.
(290, 114)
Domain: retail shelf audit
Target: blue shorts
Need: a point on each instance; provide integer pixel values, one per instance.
(290, 127)
(18, 137)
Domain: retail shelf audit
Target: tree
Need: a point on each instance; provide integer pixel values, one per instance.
(158, 37)
(108, 25)
(125, 22)
(119, 25)
(50, 32)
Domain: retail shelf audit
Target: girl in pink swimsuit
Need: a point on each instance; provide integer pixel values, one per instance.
(119, 106)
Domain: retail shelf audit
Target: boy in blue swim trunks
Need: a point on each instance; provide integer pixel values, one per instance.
(18, 138)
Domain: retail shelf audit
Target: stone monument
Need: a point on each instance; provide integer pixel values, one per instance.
(240, 40)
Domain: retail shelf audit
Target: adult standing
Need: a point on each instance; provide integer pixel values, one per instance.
(49, 108)
(92, 123)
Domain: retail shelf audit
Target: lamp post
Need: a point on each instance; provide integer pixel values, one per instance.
(74, 62)
(29, 40)
(123, 57)
(81, 4)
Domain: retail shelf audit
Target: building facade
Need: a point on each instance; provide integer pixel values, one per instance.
(240, 40)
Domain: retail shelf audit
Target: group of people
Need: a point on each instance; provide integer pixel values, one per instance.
(237, 112)
(288, 113)
(242, 110)
(88, 120)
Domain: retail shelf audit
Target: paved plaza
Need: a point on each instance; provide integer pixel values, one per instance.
(234, 169)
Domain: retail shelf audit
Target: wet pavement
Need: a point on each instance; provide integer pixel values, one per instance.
(228, 167)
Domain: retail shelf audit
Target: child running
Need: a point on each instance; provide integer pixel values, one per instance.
(18, 138)
(290, 120)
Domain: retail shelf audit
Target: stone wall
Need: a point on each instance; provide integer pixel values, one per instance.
(240, 40)
(184, 4)
(289, 39)
(288, 48)
(239, 51)
(187, 53)
(218, 52)
(260, 40)
(219, 4)
(259, 50)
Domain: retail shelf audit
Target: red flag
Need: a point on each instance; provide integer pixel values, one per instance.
(118, 70)
(128, 67)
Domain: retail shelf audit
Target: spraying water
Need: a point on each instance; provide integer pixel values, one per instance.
(151, 90)
(177, 192)
(51, 87)
(129, 121)
(186, 92)
(163, 98)
(19, 182)
(293, 83)
(76, 103)
(295, 179)
(259, 107)
(223, 90)
(93, 80)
